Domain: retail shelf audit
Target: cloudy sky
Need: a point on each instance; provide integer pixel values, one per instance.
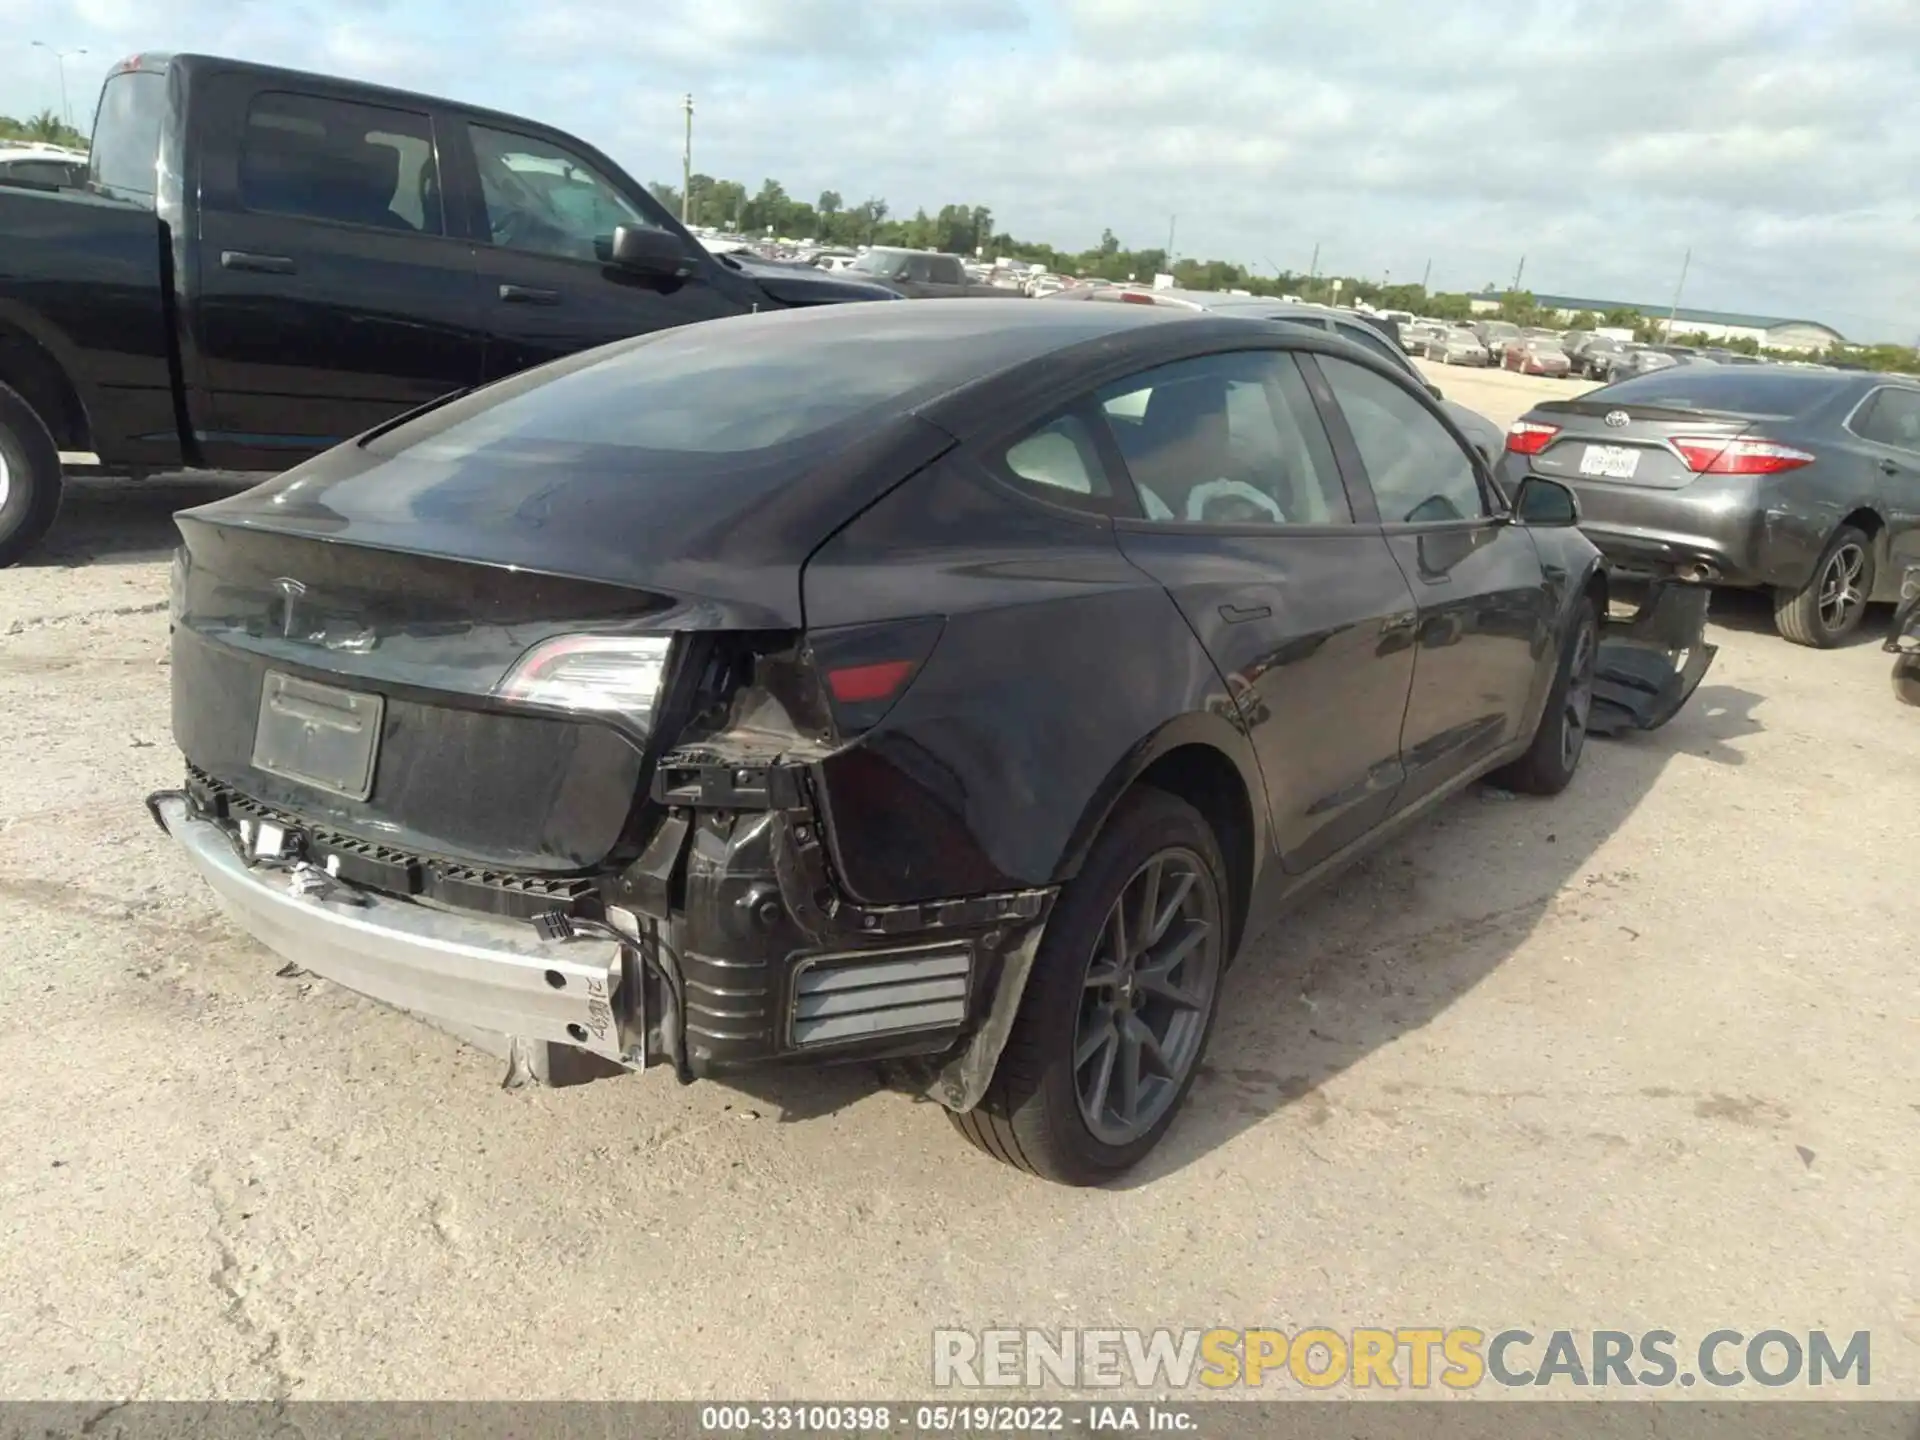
(1779, 139)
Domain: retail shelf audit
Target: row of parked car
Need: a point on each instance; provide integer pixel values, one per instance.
(1538, 350)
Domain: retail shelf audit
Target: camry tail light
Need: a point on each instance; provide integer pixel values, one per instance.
(864, 669)
(1710, 455)
(601, 674)
(1526, 437)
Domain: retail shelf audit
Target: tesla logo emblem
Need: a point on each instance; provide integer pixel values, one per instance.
(1617, 419)
(290, 591)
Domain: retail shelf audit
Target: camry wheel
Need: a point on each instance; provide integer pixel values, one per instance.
(1830, 606)
(1561, 739)
(1120, 1002)
(29, 477)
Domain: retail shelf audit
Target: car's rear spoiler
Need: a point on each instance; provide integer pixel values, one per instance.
(1650, 665)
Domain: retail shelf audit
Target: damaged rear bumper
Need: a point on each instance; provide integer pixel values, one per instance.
(1649, 666)
(726, 946)
(487, 979)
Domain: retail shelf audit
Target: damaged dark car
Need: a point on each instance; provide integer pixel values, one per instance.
(958, 686)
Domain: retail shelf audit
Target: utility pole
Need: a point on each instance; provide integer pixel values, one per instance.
(60, 60)
(1172, 220)
(1674, 313)
(1313, 265)
(1425, 276)
(686, 169)
(1518, 271)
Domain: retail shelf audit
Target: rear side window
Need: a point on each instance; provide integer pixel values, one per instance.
(1891, 417)
(1227, 440)
(125, 153)
(337, 160)
(1060, 462)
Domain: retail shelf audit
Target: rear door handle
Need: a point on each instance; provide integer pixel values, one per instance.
(265, 264)
(528, 295)
(1890, 467)
(1240, 614)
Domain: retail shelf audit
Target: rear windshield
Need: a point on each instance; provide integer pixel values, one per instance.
(125, 153)
(685, 394)
(1747, 389)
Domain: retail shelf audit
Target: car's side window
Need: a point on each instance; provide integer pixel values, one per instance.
(1419, 472)
(920, 269)
(1892, 417)
(1060, 462)
(1227, 440)
(1370, 340)
(546, 200)
(340, 160)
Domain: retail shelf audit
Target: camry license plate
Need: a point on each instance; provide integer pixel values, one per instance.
(318, 735)
(1616, 462)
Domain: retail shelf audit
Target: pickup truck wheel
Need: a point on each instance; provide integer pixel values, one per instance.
(1120, 1002)
(29, 477)
(1830, 606)
(1547, 767)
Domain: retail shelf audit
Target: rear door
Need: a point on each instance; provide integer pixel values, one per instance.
(1486, 617)
(941, 277)
(543, 214)
(1886, 427)
(328, 294)
(1246, 522)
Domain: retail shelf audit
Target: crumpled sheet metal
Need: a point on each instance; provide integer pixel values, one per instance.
(1649, 666)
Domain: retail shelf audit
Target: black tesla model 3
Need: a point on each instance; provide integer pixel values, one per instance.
(954, 684)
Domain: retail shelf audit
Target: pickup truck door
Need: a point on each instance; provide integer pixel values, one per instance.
(327, 291)
(940, 277)
(543, 215)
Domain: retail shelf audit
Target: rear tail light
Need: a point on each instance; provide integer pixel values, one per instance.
(1134, 297)
(864, 669)
(1525, 437)
(598, 674)
(1709, 455)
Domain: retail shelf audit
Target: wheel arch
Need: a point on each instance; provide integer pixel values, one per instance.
(1207, 761)
(35, 373)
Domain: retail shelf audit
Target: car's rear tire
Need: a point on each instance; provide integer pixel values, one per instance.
(1830, 606)
(1110, 990)
(29, 477)
(1561, 739)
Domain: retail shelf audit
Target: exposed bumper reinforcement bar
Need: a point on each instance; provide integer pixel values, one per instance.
(475, 976)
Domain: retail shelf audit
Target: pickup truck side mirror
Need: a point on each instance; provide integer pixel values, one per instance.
(1545, 503)
(649, 251)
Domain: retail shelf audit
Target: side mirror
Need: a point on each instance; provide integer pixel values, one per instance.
(1545, 503)
(649, 251)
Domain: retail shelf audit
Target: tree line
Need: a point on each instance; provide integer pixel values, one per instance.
(46, 126)
(968, 230)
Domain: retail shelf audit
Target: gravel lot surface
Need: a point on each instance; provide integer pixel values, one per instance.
(1647, 1056)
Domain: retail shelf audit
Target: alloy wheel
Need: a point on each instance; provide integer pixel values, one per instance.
(6, 479)
(1579, 702)
(1841, 592)
(1148, 993)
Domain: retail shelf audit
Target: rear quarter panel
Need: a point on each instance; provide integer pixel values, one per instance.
(1062, 672)
(84, 279)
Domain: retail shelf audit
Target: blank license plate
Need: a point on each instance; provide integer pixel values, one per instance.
(318, 735)
(1617, 462)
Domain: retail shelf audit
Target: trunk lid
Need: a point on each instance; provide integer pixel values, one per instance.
(1625, 443)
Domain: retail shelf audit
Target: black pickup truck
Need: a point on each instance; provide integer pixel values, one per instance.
(264, 263)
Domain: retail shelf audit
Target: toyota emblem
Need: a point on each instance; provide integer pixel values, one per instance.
(1617, 419)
